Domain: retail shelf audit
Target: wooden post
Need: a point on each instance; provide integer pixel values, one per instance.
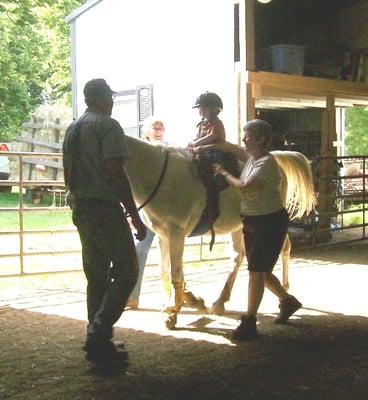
(56, 140)
(246, 108)
(326, 188)
(250, 34)
(251, 103)
(239, 102)
(21, 216)
(33, 134)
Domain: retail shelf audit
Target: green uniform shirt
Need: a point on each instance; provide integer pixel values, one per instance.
(88, 142)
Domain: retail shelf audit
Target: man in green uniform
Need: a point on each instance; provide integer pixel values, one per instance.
(94, 151)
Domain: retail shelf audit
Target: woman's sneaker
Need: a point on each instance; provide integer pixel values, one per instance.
(287, 308)
(247, 329)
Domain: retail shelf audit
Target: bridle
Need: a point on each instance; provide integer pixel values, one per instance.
(158, 184)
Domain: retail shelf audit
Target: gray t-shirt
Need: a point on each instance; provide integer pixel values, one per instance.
(89, 141)
(268, 199)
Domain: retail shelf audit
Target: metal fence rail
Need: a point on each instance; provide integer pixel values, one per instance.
(22, 210)
(22, 184)
(341, 193)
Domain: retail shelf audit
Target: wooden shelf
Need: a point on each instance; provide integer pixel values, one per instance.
(274, 90)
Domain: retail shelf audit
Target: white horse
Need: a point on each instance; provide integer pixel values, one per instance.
(180, 199)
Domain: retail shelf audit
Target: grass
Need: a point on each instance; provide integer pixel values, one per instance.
(354, 218)
(9, 220)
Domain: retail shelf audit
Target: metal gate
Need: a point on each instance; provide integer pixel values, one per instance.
(341, 185)
(69, 247)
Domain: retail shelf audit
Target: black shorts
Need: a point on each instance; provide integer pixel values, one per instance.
(264, 236)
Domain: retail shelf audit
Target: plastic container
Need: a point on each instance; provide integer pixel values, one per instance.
(284, 58)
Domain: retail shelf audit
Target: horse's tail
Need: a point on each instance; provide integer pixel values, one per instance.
(299, 192)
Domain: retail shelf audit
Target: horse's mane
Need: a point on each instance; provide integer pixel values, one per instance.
(159, 149)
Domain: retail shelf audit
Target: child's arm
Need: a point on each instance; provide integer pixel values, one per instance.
(212, 137)
(216, 134)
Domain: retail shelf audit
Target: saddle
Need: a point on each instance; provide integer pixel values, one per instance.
(214, 185)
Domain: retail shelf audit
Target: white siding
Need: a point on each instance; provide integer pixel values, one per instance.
(181, 47)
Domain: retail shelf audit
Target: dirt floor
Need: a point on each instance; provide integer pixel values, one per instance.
(321, 354)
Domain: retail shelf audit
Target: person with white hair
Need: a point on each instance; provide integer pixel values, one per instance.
(154, 133)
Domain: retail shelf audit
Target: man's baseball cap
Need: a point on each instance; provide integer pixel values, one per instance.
(97, 87)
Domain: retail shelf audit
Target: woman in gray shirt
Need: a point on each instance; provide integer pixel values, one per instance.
(265, 222)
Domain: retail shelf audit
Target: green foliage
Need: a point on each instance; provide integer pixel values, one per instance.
(34, 58)
(356, 141)
(32, 220)
(59, 80)
(354, 218)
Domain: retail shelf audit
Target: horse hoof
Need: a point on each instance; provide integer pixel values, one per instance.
(194, 302)
(217, 309)
(201, 306)
(171, 322)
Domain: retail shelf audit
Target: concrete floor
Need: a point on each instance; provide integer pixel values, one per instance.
(330, 280)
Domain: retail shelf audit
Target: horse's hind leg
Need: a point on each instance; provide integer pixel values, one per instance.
(285, 257)
(218, 307)
(176, 245)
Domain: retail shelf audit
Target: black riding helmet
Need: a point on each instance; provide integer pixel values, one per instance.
(208, 99)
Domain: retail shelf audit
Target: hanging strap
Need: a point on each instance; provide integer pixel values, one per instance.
(158, 184)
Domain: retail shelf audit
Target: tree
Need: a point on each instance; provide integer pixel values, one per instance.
(59, 80)
(22, 65)
(34, 59)
(356, 140)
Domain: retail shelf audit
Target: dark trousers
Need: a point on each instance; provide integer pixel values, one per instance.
(264, 236)
(109, 263)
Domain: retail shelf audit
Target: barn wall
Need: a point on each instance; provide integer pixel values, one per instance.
(326, 28)
(182, 48)
(351, 25)
(298, 130)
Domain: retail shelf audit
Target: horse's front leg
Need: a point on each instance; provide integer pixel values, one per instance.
(285, 257)
(165, 265)
(176, 246)
(218, 307)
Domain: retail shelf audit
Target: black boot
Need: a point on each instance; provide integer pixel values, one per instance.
(247, 329)
(105, 352)
(287, 308)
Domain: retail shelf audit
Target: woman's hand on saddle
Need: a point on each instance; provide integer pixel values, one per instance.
(218, 169)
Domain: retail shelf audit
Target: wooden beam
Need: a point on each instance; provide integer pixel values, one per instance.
(309, 85)
(342, 100)
(25, 139)
(246, 109)
(47, 163)
(239, 104)
(282, 103)
(328, 128)
(323, 189)
(41, 125)
(247, 35)
(250, 35)
(331, 111)
(327, 169)
(242, 36)
(251, 104)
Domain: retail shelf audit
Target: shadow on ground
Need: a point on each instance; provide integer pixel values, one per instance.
(313, 357)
